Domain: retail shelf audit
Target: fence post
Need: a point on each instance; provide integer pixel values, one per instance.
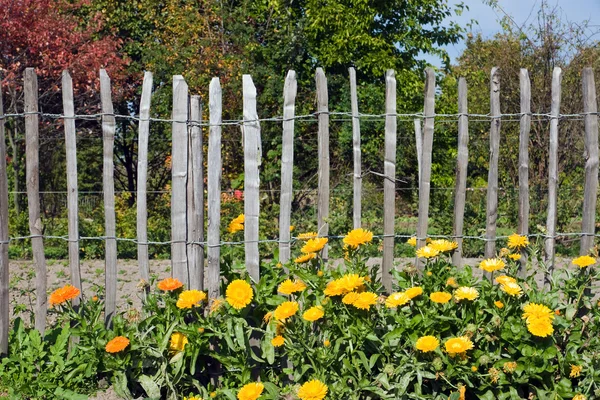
(553, 169)
(525, 126)
(290, 89)
(357, 200)
(492, 191)
(214, 187)
(196, 235)
(590, 108)
(389, 183)
(72, 196)
(32, 149)
(108, 133)
(462, 160)
(419, 144)
(142, 178)
(179, 179)
(4, 277)
(252, 160)
(425, 180)
(323, 197)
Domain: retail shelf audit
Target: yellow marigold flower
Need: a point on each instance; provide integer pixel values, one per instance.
(312, 390)
(443, 245)
(278, 341)
(365, 300)
(499, 304)
(307, 235)
(319, 273)
(396, 299)
(466, 293)
(169, 284)
(239, 294)
(314, 245)
(440, 297)
(414, 292)
(313, 314)
(533, 311)
(540, 327)
(65, 293)
(201, 330)
(350, 298)
(268, 317)
(190, 298)
(458, 345)
(504, 252)
(177, 342)
(451, 282)
(516, 241)
(492, 264)
(334, 288)
(474, 368)
(503, 279)
(575, 371)
(292, 227)
(351, 282)
(427, 343)
(251, 391)
(509, 367)
(288, 287)
(237, 224)
(278, 265)
(579, 396)
(358, 236)
(305, 258)
(514, 257)
(427, 252)
(412, 241)
(429, 273)
(192, 398)
(216, 305)
(584, 261)
(213, 394)
(462, 389)
(512, 289)
(117, 344)
(326, 343)
(285, 310)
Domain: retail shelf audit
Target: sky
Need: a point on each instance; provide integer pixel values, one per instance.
(523, 12)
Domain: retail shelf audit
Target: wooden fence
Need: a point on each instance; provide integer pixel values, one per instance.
(188, 242)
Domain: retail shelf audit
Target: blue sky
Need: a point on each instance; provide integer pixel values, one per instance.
(522, 12)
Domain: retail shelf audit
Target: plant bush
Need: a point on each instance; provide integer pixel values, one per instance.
(310, 331)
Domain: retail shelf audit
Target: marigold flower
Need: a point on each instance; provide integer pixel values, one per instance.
(292, 227)
(462, 390)
(314, 245)
(192, 398)
(350, 298)
(239, 294)
(177, 342)
(326, 343)
(499, 304)
(285, 310)
(313, 390)
(427, 343)
(307, 235)
(584, 261)
(514, 257)
(313, 314)
(237, 224)
(278, 341)
(396, 299)
(190, 298)
(503, 279)
(492, 264)
(169, 284)
(365, 300)
(509, 367)
(579, 396)
(512, 289)
(288, 287)
(451, 282)
(516, 241)
(414, 292)
(63, 294)
(575, 371)
(466, 293)
(427, 252)
(351, 282)
(305, 258)
(440, 297)
(213, 394)
(412, 241)
(533, 311)
(319, 273)
(117, 344)
(458, 345)
(540, 327)
(334, 288)
(216, 305)
(443, 245)
(251, 391)
(474, 368)
(494, 374)
(358, 236)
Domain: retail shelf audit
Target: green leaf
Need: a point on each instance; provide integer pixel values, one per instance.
(66, 394)
(149, 386)
(403, 383)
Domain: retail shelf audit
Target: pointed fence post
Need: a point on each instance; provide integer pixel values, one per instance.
(197, 214)
(492, 191)
(290, 89)
(462, 160)
(323, 196)
(389, 183)
(108, 180)
(4, 277)
(357, 199)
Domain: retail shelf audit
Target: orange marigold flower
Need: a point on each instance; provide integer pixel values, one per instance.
(440, 297)
(358, 236)
(278, 341)
(313, 314)
(117, 344)
(314, 245)
(65, 293)
(305, 258)
(285, 310)
(251, 391)
(414, 292)
(365, 300)
(169, 284)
